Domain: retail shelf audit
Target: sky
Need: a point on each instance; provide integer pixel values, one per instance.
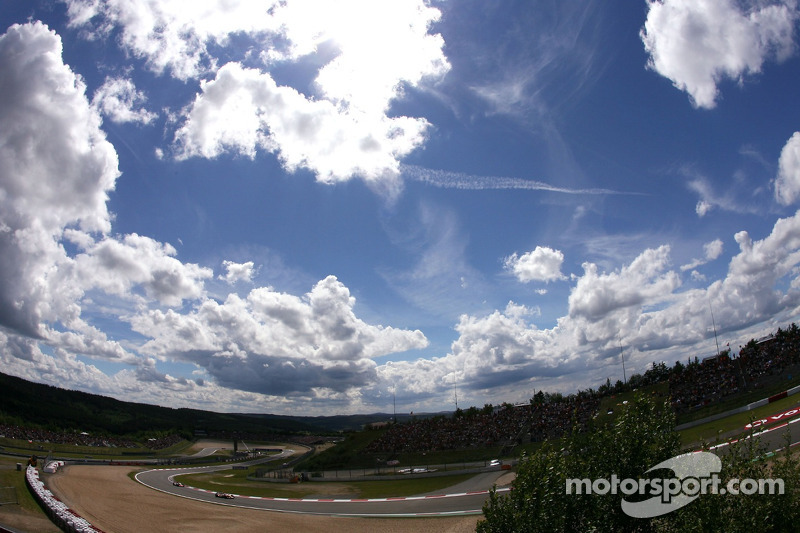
(313, 208)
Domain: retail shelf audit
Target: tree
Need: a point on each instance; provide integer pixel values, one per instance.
(640, 438)
(643, 435)
(770, 513)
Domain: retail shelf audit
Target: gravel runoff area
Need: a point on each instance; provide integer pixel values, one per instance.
(113, 502)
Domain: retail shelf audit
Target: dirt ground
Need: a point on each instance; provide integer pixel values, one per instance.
(113, 502)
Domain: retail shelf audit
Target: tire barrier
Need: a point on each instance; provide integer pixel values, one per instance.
(53, 466)
(58, 512)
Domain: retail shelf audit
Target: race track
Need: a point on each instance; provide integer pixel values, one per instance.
(119, 504)
(454, 504)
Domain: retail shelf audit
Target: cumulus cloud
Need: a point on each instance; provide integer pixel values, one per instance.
(503, 347)
(645, 280)
(638, 306)
(244, 110)
(235, 272)
(56, 169)
(542, 264)
(277, 343)
(59, 259)
(787, 184)
(698, 43)
(169, 37)
(339, 127)
(119, 100)
(116, 266)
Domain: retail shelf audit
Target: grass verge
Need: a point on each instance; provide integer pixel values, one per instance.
(236, 482)
(10, 477)
(708, 432)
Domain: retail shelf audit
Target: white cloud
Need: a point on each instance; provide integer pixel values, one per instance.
(243, 110)
(237, 272)
(167, 35)
(119, 100)
(787, 184)
(698, 43)
(711, 250)
(342, 130)
(637, 306)
(67, 168)
(738, 197)
(644, 281)
(703, 207)
(490, 349)
(62, 269)
(542, 264)
(117, 266)
(380, 45)
(277, 343)
(56, 169)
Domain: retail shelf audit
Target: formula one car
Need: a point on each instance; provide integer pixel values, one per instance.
(178, 484)
(224, 495)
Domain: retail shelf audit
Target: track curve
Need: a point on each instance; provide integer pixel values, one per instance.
(456, 504)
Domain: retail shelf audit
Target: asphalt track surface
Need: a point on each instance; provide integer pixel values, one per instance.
(773, 436)
(456, 504)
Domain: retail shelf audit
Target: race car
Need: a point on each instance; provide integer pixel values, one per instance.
(224, 495)
(178, 484)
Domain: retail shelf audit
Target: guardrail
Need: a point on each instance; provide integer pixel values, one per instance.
(64, 517)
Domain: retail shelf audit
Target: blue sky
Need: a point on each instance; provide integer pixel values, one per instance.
(316, 207)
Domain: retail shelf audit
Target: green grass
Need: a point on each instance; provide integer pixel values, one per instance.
(236, 482)
(10, 477)
(708, 432)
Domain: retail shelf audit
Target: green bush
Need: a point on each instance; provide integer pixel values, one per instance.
(641, 437)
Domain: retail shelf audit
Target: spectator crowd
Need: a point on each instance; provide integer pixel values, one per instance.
(45, 436)
(760, 363)
(549, 416)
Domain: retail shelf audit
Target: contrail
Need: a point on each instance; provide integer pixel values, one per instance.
(458, 180)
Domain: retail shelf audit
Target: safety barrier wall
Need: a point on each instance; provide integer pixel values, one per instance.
(59, 513)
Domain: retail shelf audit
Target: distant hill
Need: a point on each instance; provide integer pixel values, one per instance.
(26, 403)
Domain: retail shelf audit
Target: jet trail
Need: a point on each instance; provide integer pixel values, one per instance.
(457, 180)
